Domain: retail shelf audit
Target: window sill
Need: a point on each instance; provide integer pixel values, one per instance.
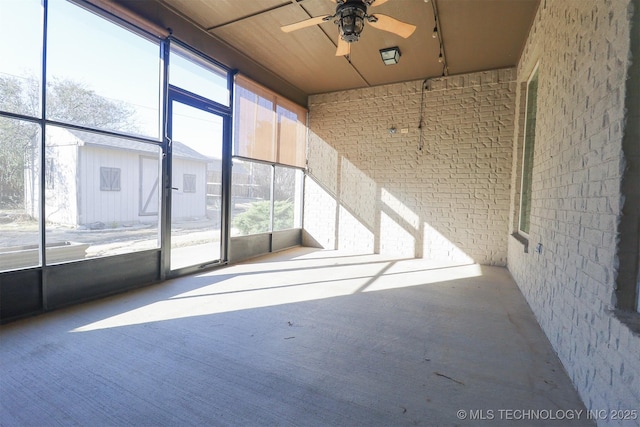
(522, 240)
(629, 318)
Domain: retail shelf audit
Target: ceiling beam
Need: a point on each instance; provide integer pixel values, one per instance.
(251, 15)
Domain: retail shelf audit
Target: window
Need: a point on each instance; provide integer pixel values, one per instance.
(198, 76)
(291, 134)
(52, 185)
(267, 195)
(265, 198)
(99, 74)
(127, 173)
(250, 198)
(109, 179)
(20, 50)
(254, 135)
(189, 183)
(20, 157)
(527, 158)
(267, 126)
(287, 195)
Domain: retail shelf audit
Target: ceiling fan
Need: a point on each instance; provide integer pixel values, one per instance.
(350, 18)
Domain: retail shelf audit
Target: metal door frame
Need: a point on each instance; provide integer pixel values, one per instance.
(192, 100)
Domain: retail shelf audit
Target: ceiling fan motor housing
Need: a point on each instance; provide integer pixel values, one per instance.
(351, 16)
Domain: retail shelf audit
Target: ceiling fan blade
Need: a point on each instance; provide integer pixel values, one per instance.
(392, 25)
(378, 2)
(306, 23)
(344, 48)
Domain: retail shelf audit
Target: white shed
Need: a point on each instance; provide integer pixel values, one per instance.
(99, 181)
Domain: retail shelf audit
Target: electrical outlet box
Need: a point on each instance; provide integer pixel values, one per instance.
(404, 130)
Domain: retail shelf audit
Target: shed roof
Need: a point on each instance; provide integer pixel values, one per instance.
(122, 143)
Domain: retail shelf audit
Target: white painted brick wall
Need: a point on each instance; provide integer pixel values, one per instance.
(582, 46)
(447, 201)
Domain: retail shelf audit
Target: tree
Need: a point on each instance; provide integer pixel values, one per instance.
(16, 136)
(67, 101)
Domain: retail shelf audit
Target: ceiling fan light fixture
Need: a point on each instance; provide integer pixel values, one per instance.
(351, 16)
(390, 55)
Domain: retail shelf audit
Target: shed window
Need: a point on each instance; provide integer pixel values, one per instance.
(109, 179)
(189, 183)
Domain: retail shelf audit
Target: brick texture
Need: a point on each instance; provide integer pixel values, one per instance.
(582, 48)
(437, 188)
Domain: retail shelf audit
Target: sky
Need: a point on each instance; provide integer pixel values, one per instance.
(20, 20)
(110, 60)
(191, 125)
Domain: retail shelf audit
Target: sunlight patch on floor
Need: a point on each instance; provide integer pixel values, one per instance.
(285, 282)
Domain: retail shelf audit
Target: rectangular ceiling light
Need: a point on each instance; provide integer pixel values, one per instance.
(390, 55)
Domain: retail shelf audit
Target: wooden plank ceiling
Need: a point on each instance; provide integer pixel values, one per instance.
(476, 35)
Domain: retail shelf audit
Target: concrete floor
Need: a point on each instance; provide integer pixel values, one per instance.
(300, 338)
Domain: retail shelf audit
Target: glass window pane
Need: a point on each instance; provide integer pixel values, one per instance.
(527, 163)
(287, 198)
(292, 136)
(103, 196)
(196, 179)
(266, 126)
(254, 135)
(194, 74)
(21, 53)
(19, 194)
(250, 198)
(99, 74)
